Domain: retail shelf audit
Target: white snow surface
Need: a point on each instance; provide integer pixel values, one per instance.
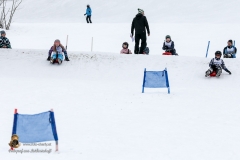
(101, 113)
(122, 11)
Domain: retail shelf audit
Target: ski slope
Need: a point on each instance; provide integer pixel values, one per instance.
(101, 113)
(122, 11)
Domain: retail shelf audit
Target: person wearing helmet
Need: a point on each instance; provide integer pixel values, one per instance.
(168, 45)
(217, 64)
(89, 14)
(125, 49)
(140, 24)
(4, 42)
(230, 51)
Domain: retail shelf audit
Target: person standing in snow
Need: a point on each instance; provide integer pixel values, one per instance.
(125, 49)
(140, 24)
(168, 45)
(4, 42)
(216, 65)
(89, 14)
(230, 51)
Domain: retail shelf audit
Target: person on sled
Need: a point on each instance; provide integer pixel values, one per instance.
(63, 50)
(57, 52)
(216, 65)
(125, 49)
(168, 45)
(230, 51)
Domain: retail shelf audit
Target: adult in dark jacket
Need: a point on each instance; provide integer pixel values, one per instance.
(168, 45)
(4, 42)
(89, 14)
(140, 24)
(230, 51)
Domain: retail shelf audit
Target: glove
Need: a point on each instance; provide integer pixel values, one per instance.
(229, 72)
(84, 14)
(229, 55)
(166, 47)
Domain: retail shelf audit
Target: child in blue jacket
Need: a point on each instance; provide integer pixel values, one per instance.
(88, 13)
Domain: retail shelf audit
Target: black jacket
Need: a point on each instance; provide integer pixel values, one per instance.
(140, 24)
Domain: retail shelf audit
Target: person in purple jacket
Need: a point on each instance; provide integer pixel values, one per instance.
(63, 49)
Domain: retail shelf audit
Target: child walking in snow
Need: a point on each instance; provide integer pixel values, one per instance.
(216, 65)
(125, 49)
(57, 52)
(89, 14)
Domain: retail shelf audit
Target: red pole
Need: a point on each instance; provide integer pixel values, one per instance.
(15, 111)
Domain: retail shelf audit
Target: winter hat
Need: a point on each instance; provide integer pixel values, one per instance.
(88, 5)
(57, 40)
(230, 41)
(218, 53)
(140, 11)
(3, 32)
(168, 36)
(125, 43)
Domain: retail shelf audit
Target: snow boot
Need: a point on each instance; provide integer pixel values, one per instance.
(66, 59)
(219, 72)
(59, 61)
(208, 72)
(52, 61)
(48, 59)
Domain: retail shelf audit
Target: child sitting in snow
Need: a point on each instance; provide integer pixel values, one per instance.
(57, 52)
(230, 51)
(63, 49)
(125, 49)
(168, 45)
(216, 65)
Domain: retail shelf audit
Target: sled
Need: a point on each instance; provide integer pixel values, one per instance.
(213, 74)
(55, 61)
(167, 54)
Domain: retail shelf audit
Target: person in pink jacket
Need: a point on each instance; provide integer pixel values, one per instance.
(125, 49)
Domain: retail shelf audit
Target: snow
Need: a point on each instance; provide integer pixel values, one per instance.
(190, 39)
(99, 108)
(102, 114)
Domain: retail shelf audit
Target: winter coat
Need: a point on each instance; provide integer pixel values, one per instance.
(168, 45)
(52, 50)
(89, 11)
(125, 51)
(5, 42)
(140, 24)
(218, 62)
(230, 50)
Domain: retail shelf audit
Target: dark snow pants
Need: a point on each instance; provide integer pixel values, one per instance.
(88, 19)
(143, 39)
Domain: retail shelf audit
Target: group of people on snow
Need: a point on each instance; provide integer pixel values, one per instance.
(141, 27)
(58, 53)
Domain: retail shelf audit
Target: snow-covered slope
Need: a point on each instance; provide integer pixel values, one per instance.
(122, 11)
(190, 39)
(102, 114)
